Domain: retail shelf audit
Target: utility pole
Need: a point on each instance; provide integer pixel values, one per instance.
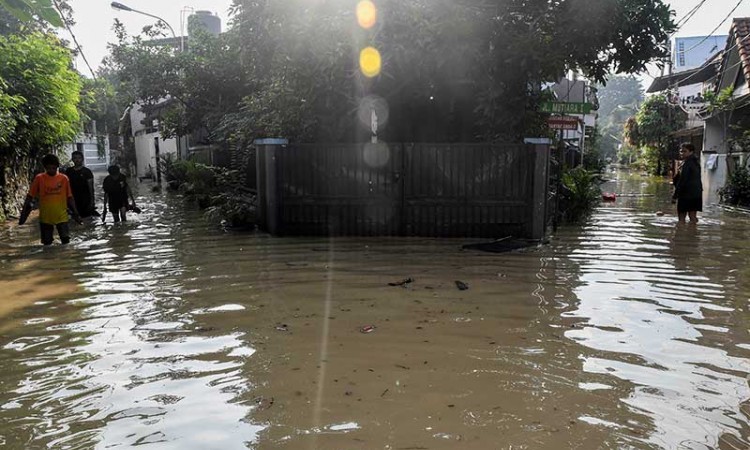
(669, 104)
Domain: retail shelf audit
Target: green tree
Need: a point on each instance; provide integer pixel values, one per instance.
(618, 100)
(618, 91)
(650, 129)
(452, 71)
(41, 93)
(195, 89)
(15, 13)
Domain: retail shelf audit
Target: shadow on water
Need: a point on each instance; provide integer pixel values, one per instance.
(628, 332)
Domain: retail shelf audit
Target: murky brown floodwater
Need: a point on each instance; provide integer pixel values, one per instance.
(625, 333)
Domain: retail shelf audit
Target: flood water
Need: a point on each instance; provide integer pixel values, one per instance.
(167, 333)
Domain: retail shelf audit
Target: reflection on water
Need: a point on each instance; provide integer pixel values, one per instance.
(628, 332)
(125, 363)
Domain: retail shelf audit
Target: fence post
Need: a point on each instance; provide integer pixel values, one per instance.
(267, 170)
(539, 148)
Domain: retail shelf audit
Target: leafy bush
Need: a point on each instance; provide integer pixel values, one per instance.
(221, 192)
(737, 189)
(234, 203)
(236, 208)
(581, 194)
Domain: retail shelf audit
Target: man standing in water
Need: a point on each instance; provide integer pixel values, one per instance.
(688, 188)
(82, 185)
(55, 198)
(116, 194)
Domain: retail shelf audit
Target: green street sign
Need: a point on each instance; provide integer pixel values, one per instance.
(566, 108)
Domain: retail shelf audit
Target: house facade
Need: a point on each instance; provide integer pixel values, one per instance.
(575, 90)
(697, 61)
(723, 150)
(149, 144)
(94, 146)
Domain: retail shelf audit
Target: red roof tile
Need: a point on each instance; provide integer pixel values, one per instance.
(739, 36)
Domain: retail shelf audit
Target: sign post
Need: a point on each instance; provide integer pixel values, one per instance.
(566, 108)
(562, 123)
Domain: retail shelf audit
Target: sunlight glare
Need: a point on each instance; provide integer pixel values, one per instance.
(370, 62)
(367, 14)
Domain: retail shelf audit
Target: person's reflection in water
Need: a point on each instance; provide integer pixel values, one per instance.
(121, 242)
(684, 245)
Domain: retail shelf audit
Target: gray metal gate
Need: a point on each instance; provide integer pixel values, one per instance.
(457, 190)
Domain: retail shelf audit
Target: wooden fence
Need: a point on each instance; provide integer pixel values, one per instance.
(450, 190)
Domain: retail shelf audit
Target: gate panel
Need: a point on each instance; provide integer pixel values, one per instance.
(466, 190)
(340, 189)
(452, 190)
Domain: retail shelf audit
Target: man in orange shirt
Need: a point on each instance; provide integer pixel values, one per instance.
(55, 197)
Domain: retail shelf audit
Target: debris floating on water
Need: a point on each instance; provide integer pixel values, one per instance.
(402, 283)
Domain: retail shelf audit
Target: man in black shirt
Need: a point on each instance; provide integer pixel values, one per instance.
(82, 185)
(116, 194)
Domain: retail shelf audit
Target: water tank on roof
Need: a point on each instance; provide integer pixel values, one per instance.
(206, 20)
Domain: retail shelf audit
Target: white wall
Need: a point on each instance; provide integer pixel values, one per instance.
(713, 136)
(145, 152)
(713, 180)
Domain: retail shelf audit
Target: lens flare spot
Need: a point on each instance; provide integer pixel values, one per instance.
(370, 62)
(376, 155)
(370, 104)
(367, 14)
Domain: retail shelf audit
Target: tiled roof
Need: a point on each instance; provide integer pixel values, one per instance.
(739, 35)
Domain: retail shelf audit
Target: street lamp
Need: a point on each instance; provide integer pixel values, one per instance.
(121, 7)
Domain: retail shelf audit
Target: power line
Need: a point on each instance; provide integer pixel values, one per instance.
(78, 46)
(714, 30)
(737, 44)
(689, 15)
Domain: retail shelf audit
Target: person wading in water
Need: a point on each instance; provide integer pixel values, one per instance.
(116, 194)
(688, 188)
(55, 198)
(82, 184)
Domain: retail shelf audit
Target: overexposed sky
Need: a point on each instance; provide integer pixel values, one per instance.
(95, 18)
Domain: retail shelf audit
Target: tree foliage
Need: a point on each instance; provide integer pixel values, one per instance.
(39, 96)
(618, 100)
(33, 10)
(37, 70)
(202, 85)
(620, 91)
(650, 129)
(451, 71)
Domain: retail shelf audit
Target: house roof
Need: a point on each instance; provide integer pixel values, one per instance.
(708, 70)
(736, 52)
(738, 35)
